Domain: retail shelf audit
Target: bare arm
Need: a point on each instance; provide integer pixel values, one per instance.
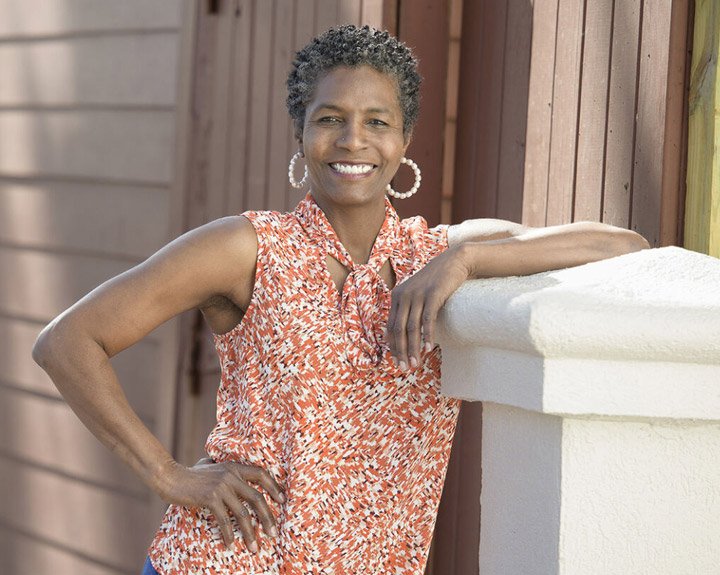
(74, 349)
(492, 248)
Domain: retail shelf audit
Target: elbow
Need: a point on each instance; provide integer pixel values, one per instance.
(54, 344)
(627, 241)
(610, 241)
(45, 346)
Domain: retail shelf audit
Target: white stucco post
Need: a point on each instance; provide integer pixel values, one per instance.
(601, 414)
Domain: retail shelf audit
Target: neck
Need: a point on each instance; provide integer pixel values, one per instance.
(356, 226)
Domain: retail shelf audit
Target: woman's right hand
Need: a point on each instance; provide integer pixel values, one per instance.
(223, 489)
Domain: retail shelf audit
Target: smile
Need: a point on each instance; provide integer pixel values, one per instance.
(354, 169)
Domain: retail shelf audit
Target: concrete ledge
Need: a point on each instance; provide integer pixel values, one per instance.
(643, 330)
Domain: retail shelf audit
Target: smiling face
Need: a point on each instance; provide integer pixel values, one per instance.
(353, 136)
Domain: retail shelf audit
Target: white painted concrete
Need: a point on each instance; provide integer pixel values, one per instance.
(601, 422)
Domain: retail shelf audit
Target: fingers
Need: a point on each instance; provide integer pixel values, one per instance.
(404, 329)
(257, 501)
(243, 520)
(223, 520)
(411, 326)
(429, 316)
(413, 334)
(267, 481)
(397, 338)
(255, 498)
(234, 492)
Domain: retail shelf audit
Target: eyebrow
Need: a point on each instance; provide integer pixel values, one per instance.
(339, 109)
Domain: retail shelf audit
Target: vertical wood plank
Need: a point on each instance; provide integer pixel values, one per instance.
(446, 525)
(372, 13)
(304, 30)
(702, 208)
(424, 27)
(262, 41)
(516, 78)
(278, 150)
(650, 132)
(489, 103)
(593, 110)
(537, 151)
(390, 16)
(210, 102)
(326, 15)
(470, 85)
(239, 142)
(621, 114)
(349, 12)
(675, 144)
(566, 84)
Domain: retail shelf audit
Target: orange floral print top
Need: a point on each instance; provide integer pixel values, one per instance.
(309, 392)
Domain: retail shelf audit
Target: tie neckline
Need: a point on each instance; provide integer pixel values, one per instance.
(365, 298)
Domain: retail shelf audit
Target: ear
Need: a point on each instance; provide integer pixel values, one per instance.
(299, 135)
(407, 138)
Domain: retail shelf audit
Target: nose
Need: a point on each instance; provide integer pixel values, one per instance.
(352, 136)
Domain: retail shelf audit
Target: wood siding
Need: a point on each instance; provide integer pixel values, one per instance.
(574, 112)
(88, 120)
(605, 120)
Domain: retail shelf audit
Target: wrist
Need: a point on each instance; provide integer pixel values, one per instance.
(160, 476)
(469, 257)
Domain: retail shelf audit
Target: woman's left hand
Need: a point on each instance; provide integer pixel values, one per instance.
(416, 302)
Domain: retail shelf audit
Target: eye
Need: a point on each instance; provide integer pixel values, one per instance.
(378, 122)
(329, 120)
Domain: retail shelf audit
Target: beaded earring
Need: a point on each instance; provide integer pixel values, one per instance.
(291, 171)
(416, 185)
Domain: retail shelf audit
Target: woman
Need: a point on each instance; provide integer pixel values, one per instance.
(330, 380)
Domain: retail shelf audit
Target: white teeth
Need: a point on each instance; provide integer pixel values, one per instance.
(352, 168)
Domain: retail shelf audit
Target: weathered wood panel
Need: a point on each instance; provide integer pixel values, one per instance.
(111, 528)
(44, 432)
(647, 184)
(279, 132)
(129, 70)
(563, 129)
(122, 146)
(604, 136)
(516, 78)
(119, 221)
(424, 26)
(62, 17)
(593, 110)
(539, 112)
(674, 165)
(702, 214)
(621, 113)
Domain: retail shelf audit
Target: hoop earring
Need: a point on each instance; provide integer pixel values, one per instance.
(291, 171)
(416, 185)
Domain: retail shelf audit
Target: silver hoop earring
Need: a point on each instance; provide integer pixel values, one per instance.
(291, 172)
(416, 185)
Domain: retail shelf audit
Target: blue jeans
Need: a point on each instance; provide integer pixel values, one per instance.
(148, 569)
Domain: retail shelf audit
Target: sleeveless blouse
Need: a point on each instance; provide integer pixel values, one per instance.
(308, 391)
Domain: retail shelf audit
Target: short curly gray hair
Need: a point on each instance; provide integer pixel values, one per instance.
(354, 46)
